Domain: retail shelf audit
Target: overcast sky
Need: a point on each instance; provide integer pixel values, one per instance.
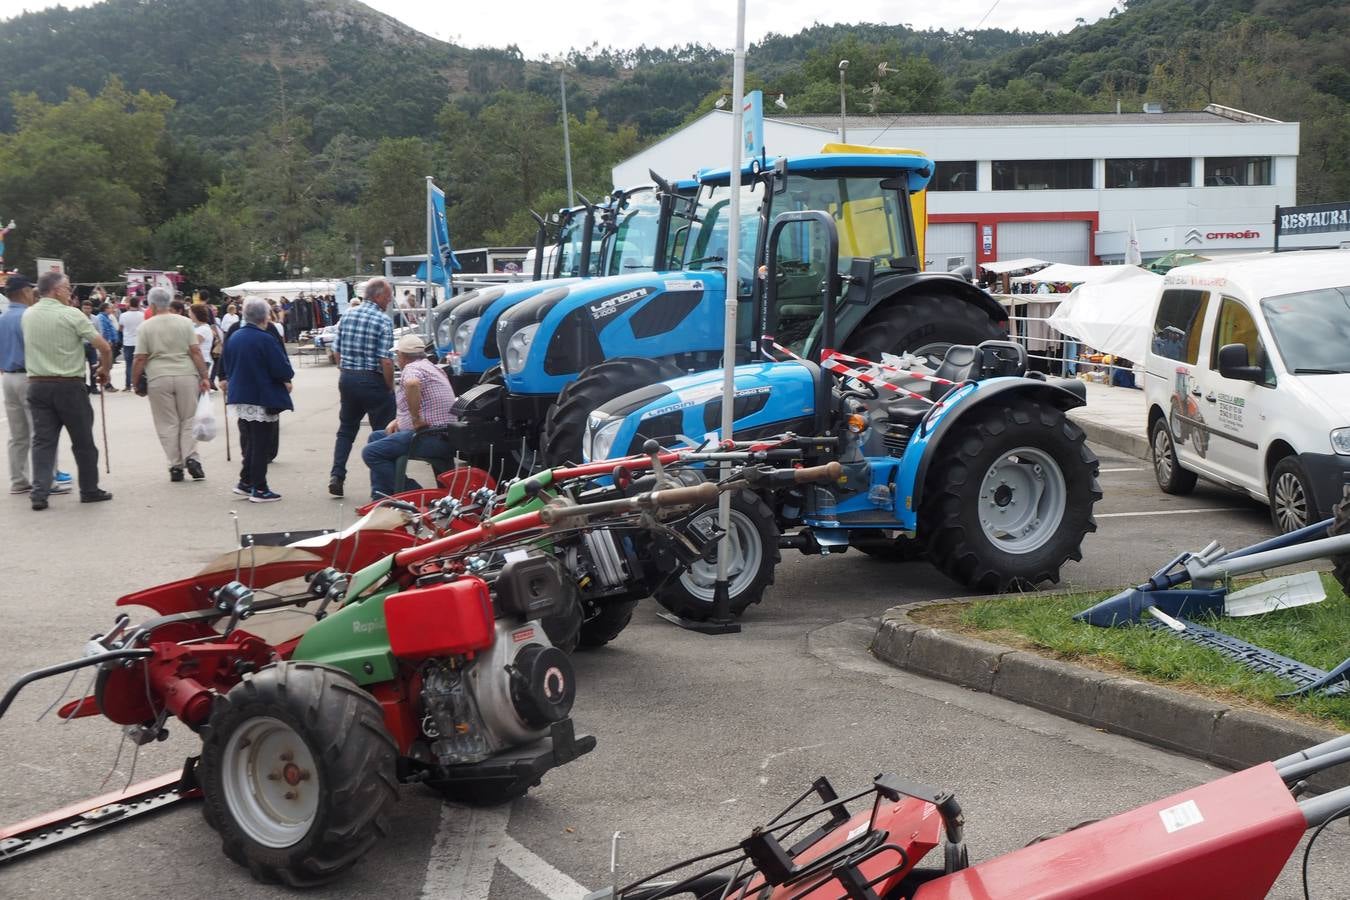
(542, 27)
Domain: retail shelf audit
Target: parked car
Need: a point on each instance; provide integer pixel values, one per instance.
(1248, 380)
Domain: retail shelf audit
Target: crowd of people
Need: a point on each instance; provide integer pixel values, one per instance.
(56, 351)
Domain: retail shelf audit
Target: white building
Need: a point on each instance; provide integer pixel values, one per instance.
(1061, 187)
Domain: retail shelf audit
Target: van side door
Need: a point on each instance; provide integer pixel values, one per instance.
(1175, 358)
(1235, 409)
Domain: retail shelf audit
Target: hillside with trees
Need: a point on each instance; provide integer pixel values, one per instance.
(244, 138)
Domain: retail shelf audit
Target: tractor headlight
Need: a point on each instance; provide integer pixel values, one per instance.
(1340, 441)
(601, 430)
(518, 348)
(464, 334)
(443, 331)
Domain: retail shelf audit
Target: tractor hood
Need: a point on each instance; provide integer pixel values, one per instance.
(771, 398)
(452, 315)
(545, 342)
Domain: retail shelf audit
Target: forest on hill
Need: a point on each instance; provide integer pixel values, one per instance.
(242, 138)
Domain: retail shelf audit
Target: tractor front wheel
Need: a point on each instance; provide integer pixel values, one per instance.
(565, 421)
(298, 772)
(750, 570)
(1010, 497)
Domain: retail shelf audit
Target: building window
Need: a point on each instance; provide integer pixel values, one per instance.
(953, 176)
(1169, 171)
(1042, 174)
(1236, 170)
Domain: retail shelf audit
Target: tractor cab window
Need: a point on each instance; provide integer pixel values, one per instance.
(633, 241)
(705, 241)
(571, 239)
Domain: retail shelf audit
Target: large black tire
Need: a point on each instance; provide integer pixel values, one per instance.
(1293, 505)
(565, 421)
(606, 625)
(565, 628)
(1341, 525)
(1167, 470)
(689, 593)
(329, 740)
(960, 490)
(922, 324)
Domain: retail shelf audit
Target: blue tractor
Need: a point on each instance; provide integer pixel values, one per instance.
(619, 235)
(569, 350)
(971, 461)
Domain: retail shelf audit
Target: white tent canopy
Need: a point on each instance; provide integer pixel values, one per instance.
(1063, 272)
(1013, 265)
(275, 290)
(1113, 315)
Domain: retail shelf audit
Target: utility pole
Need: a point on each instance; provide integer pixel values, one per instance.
(843, 103)
(567, 141)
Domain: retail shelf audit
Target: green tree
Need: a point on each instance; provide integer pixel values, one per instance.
(393, 204)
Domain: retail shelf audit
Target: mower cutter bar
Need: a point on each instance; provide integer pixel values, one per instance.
(79, 819)
(1259, 659)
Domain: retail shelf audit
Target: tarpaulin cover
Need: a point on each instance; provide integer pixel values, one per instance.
(1114, 316)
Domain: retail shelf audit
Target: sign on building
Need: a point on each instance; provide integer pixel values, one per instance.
(1314, 218)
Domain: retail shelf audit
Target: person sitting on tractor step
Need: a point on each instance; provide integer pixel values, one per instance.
(366, 380)
(424, 401)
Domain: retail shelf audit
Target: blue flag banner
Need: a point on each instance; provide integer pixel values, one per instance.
(753, 122)
(443, 260)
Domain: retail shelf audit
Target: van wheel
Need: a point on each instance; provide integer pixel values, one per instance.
(1291, 498)
(1172, 478)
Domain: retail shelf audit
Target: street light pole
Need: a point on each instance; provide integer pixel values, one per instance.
(567, 141)
(843, 103)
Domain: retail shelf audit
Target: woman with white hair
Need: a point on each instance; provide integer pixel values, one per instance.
(169, 355)
(258, 390)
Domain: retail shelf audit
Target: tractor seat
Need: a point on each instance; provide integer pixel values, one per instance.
(959, 363)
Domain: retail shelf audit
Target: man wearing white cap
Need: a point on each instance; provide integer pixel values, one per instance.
(424, 398)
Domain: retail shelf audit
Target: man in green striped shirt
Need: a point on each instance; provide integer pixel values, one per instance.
(54, 334)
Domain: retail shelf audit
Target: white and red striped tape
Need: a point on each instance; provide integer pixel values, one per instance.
(829, 363)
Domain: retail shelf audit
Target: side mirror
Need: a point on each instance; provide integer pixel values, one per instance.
(860, 275)
(1233, 363)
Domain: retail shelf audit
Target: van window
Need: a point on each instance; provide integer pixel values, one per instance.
(1176, 330)
(1236, 326)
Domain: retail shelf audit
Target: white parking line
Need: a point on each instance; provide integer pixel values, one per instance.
(469, 844)
(1167, 512)
(1129, 469)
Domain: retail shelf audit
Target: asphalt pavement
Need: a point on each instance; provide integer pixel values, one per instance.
(700, 737)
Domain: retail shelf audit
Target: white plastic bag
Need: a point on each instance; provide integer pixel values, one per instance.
(204, 425)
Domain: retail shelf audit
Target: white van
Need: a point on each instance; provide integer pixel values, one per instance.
(1248, 380)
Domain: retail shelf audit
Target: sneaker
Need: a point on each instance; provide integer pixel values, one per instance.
(59, 489)
(39, 505)
(62, 477)
(175, 473)
(263, 496)
(96, 497)
(194, 467)
(335, 486)
(21, 490)
(243, 490)
(110, 389)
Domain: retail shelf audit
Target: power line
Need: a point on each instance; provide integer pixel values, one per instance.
(987, 15)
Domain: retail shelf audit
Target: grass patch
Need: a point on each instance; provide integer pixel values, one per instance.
(1318, 635)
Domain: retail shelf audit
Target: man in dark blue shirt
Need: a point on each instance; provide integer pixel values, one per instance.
(365, 356)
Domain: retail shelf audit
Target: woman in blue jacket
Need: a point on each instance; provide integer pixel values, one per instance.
(258, 389)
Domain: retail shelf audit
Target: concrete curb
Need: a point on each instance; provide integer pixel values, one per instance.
(1116, 438)
(1228, 736)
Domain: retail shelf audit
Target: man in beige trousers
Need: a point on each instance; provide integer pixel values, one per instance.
(168, 353)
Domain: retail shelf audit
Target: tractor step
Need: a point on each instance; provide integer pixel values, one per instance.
(79, 819)
(1259, 659)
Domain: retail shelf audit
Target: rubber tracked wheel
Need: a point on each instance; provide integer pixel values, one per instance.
(298, 773)
(607, 624)
(565, 421)
(1004, 455)
(924, 325)
(755, 556)
(1341, 525)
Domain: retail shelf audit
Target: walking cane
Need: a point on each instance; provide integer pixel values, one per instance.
(103, 414)
(225, 402)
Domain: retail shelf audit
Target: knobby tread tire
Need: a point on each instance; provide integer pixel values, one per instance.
(948, 514)
(565, 421)
(1341, 525)
(607, 624)
(356, 758)
(912, 320)
(674, 596)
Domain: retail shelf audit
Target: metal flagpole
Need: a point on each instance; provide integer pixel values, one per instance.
(103, 417)
(431, 224)
(721, 595)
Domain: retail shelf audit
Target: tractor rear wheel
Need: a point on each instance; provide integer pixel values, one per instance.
(924, 325)
(565, 422)
(754, 555)
(1009, 498)
(606, 625)
(298, 772)
(1341, 525)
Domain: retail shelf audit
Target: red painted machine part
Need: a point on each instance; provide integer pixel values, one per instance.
(487, 531)
(449, 619)
(1228, 840)
(458, 483)
(189, 594)
(399, 717)
(182, 679)
(47, 820)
